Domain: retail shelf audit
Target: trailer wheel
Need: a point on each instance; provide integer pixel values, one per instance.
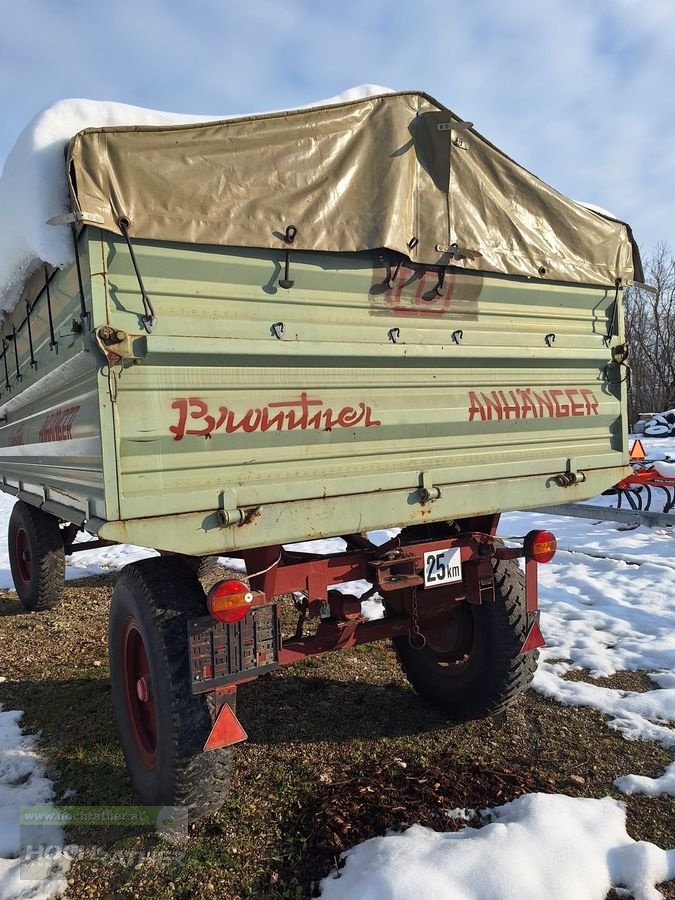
(205, 566)
(162, 726)
(471, 666)
(36, 557)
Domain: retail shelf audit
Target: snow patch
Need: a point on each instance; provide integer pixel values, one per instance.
(539, 845)
(23, 783)
(652, 787)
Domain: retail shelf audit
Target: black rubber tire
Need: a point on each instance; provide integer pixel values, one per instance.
(205, 566)
(36, 557)
(157, 594)
(494, 673)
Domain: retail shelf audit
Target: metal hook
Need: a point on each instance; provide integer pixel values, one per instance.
(441, 282)
(391, 279)
(289, 237)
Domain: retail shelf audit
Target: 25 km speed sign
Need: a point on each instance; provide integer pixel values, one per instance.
(442, 567)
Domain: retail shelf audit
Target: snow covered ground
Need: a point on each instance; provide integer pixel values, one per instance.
(608, 605)
(538, 846)
(23, 783)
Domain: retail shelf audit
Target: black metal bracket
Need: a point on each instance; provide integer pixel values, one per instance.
(53, 343)
(4, 356)
(440, 284)
(390, 280)
(612, 324)
(83, 308)
(19, 376)
(289, 236)
(33, 361)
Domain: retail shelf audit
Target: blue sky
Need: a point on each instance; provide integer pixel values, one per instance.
(578, 91)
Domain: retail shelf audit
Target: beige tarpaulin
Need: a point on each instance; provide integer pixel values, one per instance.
(396, 171)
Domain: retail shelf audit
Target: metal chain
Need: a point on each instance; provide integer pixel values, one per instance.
(415, 637)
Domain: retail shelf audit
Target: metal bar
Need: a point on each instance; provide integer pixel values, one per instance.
(531, 586)
(4, 356)
(52, 339)
(19, 376)
(608, 514)
(83, 308)
(90, 545)
(33, 361)
(149, 318)
(328, 638)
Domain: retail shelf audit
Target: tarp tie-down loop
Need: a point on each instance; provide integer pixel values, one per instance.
(289, 236)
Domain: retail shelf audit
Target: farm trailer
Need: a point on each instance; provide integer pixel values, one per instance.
(301, 326)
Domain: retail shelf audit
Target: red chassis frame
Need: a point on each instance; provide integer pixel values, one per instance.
(393, 569)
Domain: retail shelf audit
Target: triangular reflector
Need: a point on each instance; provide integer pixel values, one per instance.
(637, 451)
(226, 730)
(533, 640)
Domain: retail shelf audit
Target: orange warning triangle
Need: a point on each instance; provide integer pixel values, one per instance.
(533, 640)
(226, 730)
(637, 451)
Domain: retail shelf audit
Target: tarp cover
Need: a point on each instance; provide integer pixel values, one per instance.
(396, 171)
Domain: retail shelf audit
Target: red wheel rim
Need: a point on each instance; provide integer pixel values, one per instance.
(22, 555)
(138, 694)
(451, 640)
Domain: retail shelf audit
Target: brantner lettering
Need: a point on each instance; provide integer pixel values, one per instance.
(305, 413)
(524, 403)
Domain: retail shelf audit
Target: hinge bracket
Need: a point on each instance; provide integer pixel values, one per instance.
(73, 218)
(427, 490)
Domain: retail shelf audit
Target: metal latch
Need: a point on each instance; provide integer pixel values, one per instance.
(229, 513)
(428, 491)
(569, 476)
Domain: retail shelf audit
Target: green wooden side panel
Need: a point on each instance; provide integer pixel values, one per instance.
(50, 445)
(324, 408)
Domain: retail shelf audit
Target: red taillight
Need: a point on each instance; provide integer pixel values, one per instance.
(540, 546)
(230, 600)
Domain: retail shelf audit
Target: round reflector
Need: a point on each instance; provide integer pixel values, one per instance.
(229, 600)
(540, 546)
